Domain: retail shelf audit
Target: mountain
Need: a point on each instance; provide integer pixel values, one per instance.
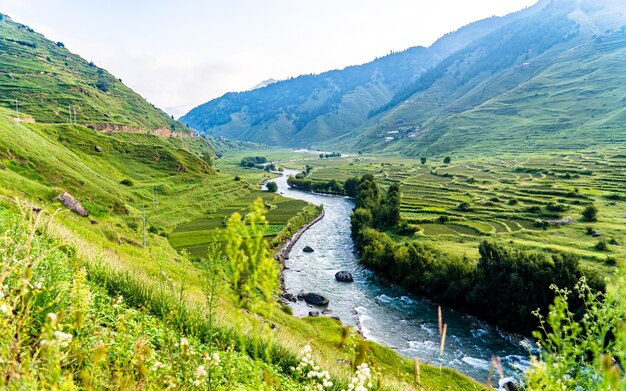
(550, 74)
(46, 79)
(264, 83)
(555, 79)
(310, 109)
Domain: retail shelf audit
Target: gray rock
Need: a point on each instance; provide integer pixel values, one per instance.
(327, 312)
(72, 204)
(289, 297)
(301, 295)
(595, 234)
(314, 313)
(308, 249)
(98, 148)
(316, 299)
(344, 276)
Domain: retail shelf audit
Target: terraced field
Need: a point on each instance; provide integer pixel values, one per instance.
(460, 204)
(195, 236)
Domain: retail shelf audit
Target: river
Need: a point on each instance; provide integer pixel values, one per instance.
(386, 313)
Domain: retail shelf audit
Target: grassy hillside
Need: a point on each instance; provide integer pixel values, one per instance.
(543, 82)
(311, 109)
(46, 79)
(455, 206)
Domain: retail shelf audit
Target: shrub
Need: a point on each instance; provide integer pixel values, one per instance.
(590, 213)
(126, 182)
(513, 201)
(447, 160)
(272, 187)
(464, 207)
(602, 245)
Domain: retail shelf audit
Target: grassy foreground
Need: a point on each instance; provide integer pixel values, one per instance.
(145, 300)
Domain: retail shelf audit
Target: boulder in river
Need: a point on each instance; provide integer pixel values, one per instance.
(344, 276)
(301, 295)
(316, 299)
(314, 313)
(509, 384)
(308, 249)
(327, 312)
(72, 204)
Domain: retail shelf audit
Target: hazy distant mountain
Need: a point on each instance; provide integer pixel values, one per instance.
(551, 75)
(314, 108)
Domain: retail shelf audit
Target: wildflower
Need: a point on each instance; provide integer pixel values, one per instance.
(63, 338)
(53, 318)
(200, 372)
(6, 309)
(157, 365)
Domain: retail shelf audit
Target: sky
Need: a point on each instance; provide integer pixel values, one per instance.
(179, 54)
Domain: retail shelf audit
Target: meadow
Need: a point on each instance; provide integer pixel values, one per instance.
(510, 198)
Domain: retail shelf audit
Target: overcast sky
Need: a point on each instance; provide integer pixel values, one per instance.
(179, 54)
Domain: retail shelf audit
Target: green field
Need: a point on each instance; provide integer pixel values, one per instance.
(195, 236)
(506, 197)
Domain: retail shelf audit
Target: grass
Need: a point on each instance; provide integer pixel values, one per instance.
(47, 79)
(506, 194)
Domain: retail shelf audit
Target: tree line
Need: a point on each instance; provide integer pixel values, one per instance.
(504, 286)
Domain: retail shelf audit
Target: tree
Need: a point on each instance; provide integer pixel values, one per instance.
(253, 268)
(590, 213)
(423, 160)
(447, 160)
(272, 187)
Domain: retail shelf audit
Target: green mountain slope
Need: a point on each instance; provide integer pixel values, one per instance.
(46, 79)
(311, 109)
(547, 81)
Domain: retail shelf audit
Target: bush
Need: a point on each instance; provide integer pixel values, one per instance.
(447, 160)
(126, 182)
(272, 187)
(237, 178)
(513, 201)
(590, 213)
(464, 207)
(602, 245)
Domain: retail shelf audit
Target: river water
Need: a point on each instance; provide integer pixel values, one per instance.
(386, 313)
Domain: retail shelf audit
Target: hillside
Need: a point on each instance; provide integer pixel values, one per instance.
(47, 79)
(310, 109)
(548, 81)
(494, 85)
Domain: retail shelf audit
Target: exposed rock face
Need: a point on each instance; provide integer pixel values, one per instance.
(98, 148)
(344, 276)
(316, 299)
(72, 204)
(308, 249)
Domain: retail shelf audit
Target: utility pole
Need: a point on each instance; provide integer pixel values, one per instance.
(143, 218)
(17, 109)
(74, 115)
(155, 197)
(70, 109)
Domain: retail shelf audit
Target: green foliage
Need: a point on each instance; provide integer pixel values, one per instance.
(272, 187)
(252, 161)
(447, 160)
(254, 270)
(581, 352)
(590, 213)
(127, 182)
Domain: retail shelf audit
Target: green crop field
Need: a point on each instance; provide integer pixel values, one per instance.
(195, 236)
(457, 205)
